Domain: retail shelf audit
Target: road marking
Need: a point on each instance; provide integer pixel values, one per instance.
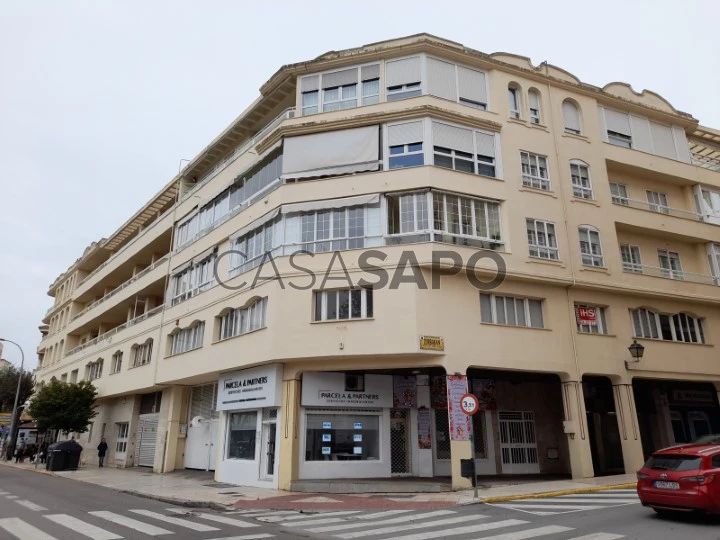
(31, 505)
(260, 513)
(610, 496)
(432, 535)
(213, 517)
(244, 537)
(11, 497)
(423, 525)
(130, 523)
(176, 521)
(599, 536)
(24, 531)
(313, 522)
(547, 506)
(403, 519)
(597, 501)
(323, 515)
(4, 493)
(81, 527)
(383, 514)
(529, 533)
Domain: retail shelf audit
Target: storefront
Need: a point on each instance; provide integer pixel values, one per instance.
(248, 402)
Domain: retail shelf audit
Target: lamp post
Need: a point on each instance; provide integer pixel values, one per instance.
(13, 421)
(636, 351)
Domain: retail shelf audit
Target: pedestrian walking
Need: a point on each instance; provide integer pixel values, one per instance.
(102, 449)
(43, 452)
(20, 451)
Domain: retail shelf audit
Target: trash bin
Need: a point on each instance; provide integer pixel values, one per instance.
(73, 455)
(63, 456)
(55, 460)
(467, 468)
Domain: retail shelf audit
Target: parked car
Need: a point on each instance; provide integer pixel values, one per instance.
(682, 478)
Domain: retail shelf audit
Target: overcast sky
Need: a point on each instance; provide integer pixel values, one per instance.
(100, 100)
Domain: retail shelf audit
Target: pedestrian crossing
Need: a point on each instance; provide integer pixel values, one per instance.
(580, 502)
(455, 524)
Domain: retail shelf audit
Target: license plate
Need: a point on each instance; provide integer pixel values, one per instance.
(667, 485)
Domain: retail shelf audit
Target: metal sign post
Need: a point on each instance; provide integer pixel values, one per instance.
(469, 404)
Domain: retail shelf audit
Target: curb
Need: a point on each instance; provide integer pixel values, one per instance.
(542, 495)
(187, 503)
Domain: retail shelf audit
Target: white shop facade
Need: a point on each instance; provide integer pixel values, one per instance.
(248, 402)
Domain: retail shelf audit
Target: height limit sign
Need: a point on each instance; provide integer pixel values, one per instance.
(469, 404)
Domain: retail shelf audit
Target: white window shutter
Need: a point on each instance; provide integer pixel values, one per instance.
(641, 138)
(663, 142)
(310, 83)
(618, 122)
(452, 137)
(340, 78)
(441, 80)
(405, 71)
(472, 85)
(406, 133)
(571, 116)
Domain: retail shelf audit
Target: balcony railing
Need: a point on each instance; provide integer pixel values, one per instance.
(657, 208)
(128, 324)
(667, 273)
(121, 287)
(705, 162)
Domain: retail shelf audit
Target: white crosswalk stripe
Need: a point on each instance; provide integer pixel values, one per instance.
(145, 528)
(245, 537)
(578, 502)
(423, 525)
(403, 519)
(31, 505)
(432, 535)
(22, 530)
(81, 527)
(599, 536)
(529, 533)
(304, 516)
(200, 527)
(216, 518)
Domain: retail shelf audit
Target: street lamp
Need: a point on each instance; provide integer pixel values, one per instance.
(17, 395)
(636, 351)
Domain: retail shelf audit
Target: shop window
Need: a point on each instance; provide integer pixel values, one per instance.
(699, 424)
(241, 435)
(344, 436)
(678, 427)
(442, 434)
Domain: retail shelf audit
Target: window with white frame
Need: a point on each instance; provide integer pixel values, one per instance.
(631, 260)
(511, 311)
(534, 106)
(343, 304)
(94, 370)
(142, 354)
(116, 365)
(463, 149)
(590, 246)
(193, 280)
(403, 78)
(406, 155)
(408, 214)
(618, 128)
(249, 249)
(338, 90)
(188, 338)
(243, 320)
(534, 171)
(590, 319)
(670, 264)
(186, 231)
(713, 253)
(580, 175)
(619, 194)
(514, 100)
(74, 377)
(668, 327)
(657, 201)
(332, 230)
(571, 117)
(122, 430)
(405, 144)
(542, 241)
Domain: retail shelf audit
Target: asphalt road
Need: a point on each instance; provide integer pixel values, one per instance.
(43, 507)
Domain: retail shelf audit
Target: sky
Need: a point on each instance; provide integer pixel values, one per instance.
(100, 100)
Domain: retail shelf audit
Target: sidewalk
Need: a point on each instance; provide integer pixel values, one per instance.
(199, 489)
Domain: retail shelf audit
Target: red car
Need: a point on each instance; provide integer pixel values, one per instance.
(682, 478)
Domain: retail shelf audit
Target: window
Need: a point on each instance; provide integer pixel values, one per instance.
(511, 311)
(332, 230)
(631, 258)
(454, 159)
(142, 353)
(186, 231)
(94, 370)
(116, 365)
(408, 213)
(534, 171)
(670, 264)
(340, 89)
(677, 327)
(74, 376)
(534, 105)
(514, 101)
(406, 155)
(340, 97)
(463, 149)
(63, 377)
(619, 194)
(590, 247)
(619, 139)
(253, 245)
(371, 91)
(343, 304)
(571, 116)
(193, 280)
(580, 174)
(243, 320)
(472, 88)
(590, 319)
(122, 429)
(187, 339)
(310, 102)
(342, 436)
(657, 202)
(542, 241)
(242, 429)
(713, 253)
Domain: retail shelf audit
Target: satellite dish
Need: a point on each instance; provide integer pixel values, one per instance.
(196, 421)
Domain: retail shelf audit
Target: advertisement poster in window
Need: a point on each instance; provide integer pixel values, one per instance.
(457, 387)
(404, 392)
(586, 315)
(484, 389)
(438, 392)
(424, 433)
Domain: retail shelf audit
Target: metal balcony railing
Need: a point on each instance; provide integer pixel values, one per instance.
(658, 209)
(667, 273)
(128, 324)
(119, 288)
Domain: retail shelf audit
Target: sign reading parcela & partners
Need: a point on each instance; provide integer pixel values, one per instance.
(331, 390)
(252, 388)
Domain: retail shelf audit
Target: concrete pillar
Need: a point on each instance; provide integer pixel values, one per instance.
(460, 450)
(168, 429)
(629, 429)
(289, 434)
(575, 425)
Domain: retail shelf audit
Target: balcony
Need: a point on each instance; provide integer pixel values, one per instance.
(667, 273)
(658, 209)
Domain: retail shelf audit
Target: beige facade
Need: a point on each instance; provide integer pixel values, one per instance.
(601, 204)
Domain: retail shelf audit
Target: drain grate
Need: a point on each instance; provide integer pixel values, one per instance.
(218, 485)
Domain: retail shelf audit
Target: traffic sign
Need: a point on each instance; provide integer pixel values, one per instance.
(469, 404)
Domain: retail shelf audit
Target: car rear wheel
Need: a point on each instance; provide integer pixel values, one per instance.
(664, 512)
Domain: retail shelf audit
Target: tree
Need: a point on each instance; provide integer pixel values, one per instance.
(64, 406)
(8, 386)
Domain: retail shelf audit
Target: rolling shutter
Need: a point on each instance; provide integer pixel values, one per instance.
(310, 84)
(147, 439)
(571, 116)
(453, 137)
(441, 79)
(407, 133)
(370, 72)
(662, 139)
(405, 71)
(617, 122)
(472, 85)
(340, 78)
(681, 144)
(641, 139)
(485, 144)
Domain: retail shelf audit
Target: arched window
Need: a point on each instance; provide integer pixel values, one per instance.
(514, 100)
(141, 354)
(580, 175)
(571, 116)
(244, 319)
(669, 327)
(116, 362)
(534, 104)
(590, 246)
(188, 338)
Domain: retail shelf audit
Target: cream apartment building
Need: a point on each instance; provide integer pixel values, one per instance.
(251, 319)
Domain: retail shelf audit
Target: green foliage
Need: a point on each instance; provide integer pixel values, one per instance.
(8, 386)
(64, 406)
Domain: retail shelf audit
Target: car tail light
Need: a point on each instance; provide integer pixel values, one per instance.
(642, 475)
(700, 479)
